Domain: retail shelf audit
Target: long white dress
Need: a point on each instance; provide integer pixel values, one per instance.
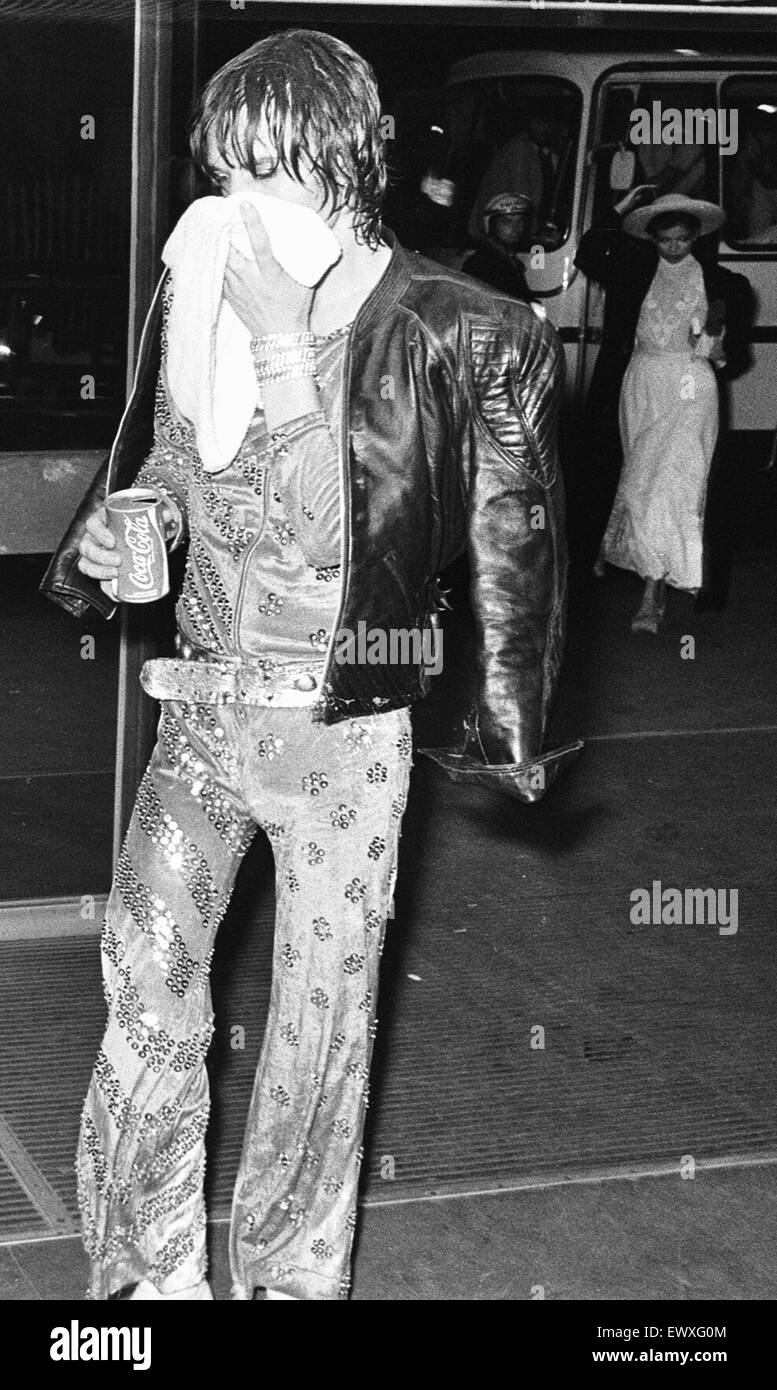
(669, 426)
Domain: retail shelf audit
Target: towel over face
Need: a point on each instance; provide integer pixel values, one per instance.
(210, 370)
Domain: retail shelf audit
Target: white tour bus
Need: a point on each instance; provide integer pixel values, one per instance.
(573, 115)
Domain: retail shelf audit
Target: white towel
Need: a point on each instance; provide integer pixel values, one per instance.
(210, 371)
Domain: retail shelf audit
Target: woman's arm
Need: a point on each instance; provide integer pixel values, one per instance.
(604, 249)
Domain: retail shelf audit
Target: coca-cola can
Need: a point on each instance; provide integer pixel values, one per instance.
(135, 518)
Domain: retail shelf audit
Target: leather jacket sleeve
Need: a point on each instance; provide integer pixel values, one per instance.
(63, 581)
(516, 537)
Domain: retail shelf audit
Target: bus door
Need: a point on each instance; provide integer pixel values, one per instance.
(743, 181)
(518, 133)
(615, 165)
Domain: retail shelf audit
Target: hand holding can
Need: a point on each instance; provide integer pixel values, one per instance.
(135, 519)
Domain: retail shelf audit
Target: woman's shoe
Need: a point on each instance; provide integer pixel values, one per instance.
(649, 615)
(645, 622)
(276, 1293)
(196, 1293)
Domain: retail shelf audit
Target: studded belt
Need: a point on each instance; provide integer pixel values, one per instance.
(198, 677)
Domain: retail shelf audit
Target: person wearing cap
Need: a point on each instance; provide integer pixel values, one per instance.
(673, 318)
(514, 165)
(505, 229)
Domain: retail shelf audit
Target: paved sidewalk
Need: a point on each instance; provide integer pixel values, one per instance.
(658, 1039)
(654, 1238)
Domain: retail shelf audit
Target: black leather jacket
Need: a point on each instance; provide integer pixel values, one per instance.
(449, 442)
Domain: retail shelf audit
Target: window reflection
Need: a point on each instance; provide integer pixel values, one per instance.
(496, 138)
(750, 175)
(66, 108)
(689, 168)
(64, 235)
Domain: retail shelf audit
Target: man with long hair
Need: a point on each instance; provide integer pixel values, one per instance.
(405, 414)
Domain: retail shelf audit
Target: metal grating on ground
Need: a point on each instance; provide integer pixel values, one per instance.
(451, 1106)
(18, 1218)
(658, 1043)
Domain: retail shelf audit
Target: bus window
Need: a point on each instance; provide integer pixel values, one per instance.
(512, 135)
(64, 237)
(617, 104)
(689, 168)
(750, 174)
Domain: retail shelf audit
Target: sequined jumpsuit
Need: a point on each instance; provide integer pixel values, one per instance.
(255, 617)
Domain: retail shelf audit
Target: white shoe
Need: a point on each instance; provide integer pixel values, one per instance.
(650, 614)
(196, 1293)
(645, 622)
(276, 1293)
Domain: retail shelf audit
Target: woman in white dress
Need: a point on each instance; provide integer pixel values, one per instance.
(668, 412)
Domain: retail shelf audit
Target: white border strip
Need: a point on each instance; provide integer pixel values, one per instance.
(539, 8)
(628, 1172)
(613, 1173)
(726, 730)
(34, 918)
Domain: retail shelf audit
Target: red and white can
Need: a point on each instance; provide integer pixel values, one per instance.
(135, 518)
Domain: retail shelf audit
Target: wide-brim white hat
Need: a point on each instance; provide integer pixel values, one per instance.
(709, 216)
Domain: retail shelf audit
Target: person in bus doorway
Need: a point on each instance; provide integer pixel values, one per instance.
(506, 231)
(514, 165)
(685, 321)
(340, 506)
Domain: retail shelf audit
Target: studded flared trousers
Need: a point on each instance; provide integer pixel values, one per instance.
(331, 799)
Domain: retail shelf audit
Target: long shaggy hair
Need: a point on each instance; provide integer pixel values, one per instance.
(320, 103)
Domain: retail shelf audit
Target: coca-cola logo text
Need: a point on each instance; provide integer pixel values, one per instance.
(139, 538)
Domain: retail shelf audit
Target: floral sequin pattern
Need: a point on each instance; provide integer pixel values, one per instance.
(342, 816)
(315, 783)
(356, 737)
(378, 772)
(271, 606)
(355, 890)
(270, 747)
(334, 837)
(405, 744)
(283, 531)
(290, 956)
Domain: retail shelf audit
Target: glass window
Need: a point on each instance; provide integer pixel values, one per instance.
(750, 171)
(502, 141)
(66, 94)
(64, 233)
(689, 167)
